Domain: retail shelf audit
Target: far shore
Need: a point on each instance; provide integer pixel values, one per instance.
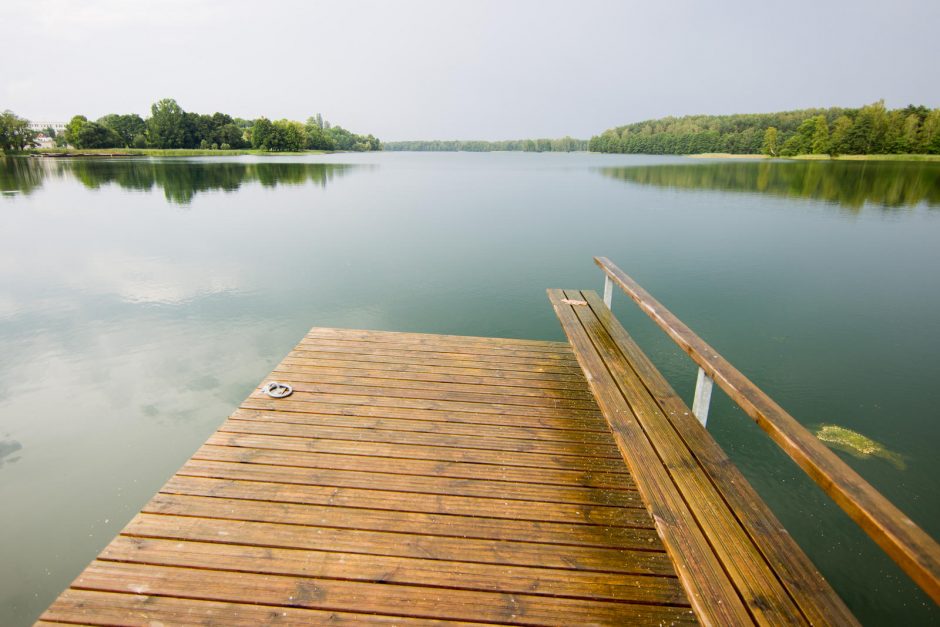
(161, 152)
(901, 157)
(724, 155)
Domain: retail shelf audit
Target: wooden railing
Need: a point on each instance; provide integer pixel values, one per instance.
(906, 543)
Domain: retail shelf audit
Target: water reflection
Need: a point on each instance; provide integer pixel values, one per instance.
(850, 184)
(7, 449)
(180, 180)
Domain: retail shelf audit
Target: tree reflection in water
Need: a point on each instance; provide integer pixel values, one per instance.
(850, 184)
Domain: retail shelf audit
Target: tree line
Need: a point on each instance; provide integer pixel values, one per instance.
(564, 144)
(872, 129)
(170, 126)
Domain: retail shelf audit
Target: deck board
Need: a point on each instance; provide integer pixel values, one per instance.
(733, 557)
(410, 479)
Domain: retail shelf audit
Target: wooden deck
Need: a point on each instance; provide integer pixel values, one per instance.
(409, 479)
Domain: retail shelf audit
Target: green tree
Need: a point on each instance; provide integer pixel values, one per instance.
(838, 137)
(94, 135)
(820, 143)
(769, 147)
(291, 135)
(930, 137)
(261, 133)
(317, 138)
(15, 134)
(127, 126)
(166, 127)
(911, 133)
(72, 129)
(231, 136)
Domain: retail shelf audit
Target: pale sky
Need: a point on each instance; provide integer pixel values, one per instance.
(468, 70)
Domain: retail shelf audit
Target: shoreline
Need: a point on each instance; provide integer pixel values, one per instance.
(162, 152)
(890, 157)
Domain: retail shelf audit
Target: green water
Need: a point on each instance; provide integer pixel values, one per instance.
(141, 300)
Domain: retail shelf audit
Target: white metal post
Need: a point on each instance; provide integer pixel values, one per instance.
(608, 290)
(703, 396)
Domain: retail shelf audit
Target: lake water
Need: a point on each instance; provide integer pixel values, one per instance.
(141, 300)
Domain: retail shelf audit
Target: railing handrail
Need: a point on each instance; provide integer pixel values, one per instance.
(906, 543)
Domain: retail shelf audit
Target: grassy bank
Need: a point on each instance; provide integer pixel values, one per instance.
(867, 157)
(725, 155)
(172, 152)
(904, 157)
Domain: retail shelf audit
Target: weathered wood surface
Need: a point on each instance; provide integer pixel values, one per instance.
(903, 540)
(409, 479)
(736, 562)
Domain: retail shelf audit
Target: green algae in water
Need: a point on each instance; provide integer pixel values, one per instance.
(856, 444)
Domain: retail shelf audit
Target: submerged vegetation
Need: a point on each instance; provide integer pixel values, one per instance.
(854, 443)
(872, 129)
(564, 144)
(848, 183)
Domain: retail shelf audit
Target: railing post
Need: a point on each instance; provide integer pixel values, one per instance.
(703, 396)
(608, 290)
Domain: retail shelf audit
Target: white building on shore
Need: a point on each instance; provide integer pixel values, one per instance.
(58, 127)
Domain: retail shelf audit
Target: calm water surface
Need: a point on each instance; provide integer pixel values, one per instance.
(141, 300)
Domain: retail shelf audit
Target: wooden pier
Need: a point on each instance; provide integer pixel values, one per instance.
(430, 479)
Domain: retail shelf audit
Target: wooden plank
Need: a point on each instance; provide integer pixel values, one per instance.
(767, 599)
(428, 438)
(474, 365)
(365, 334)
(507, 362)
(905, 542)
(457, 470)
(441, 427)
(710, 592)
(410, 451)
(384, 569)
(357, 541)
(368, 519)
(363, 362)
(431, 348)
(482, 395)
(511, 385)
(412, 483)
(349, 596)
(405, 501)
(816, 598)
(440, 384)
(382, 400)
(564, 423)
(125, 608)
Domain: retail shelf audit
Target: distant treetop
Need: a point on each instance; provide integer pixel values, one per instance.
(871, 129)
(170, 126)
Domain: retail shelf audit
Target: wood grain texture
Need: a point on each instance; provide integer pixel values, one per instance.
(771, 575)
(409, 479)
(712, 594)
(755, 581)
(902, 539)
(815, 597)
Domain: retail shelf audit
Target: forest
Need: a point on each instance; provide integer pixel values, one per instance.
(872, 129)
(564, 144)
(170, 126)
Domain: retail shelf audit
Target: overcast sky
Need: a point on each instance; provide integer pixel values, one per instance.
(468, 70)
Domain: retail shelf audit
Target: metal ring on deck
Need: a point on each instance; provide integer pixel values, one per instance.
(277, 390)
